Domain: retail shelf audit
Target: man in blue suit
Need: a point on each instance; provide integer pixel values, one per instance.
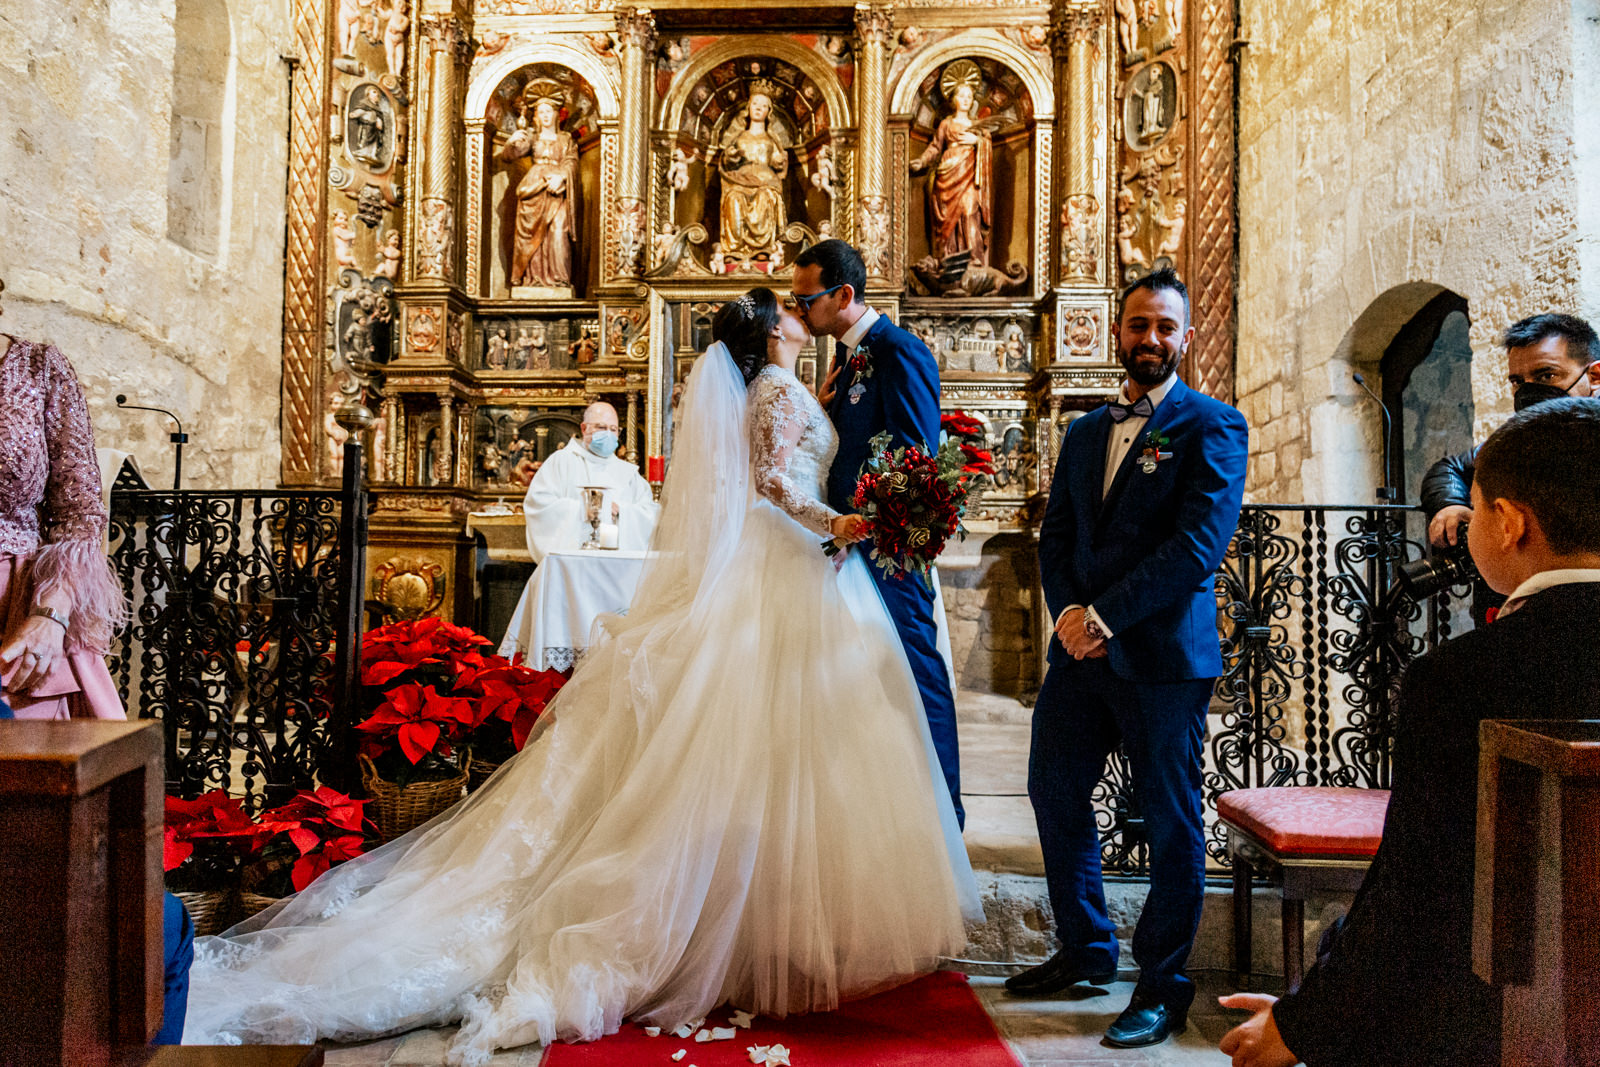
(882, 378)
(1144, 502)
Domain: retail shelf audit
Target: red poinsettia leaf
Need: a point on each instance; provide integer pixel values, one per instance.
(174, 851)
(308, 869)
(305, 840)
(383, 671)
(417, 739)
(344, 847)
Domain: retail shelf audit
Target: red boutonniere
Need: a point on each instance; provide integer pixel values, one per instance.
(861, 362)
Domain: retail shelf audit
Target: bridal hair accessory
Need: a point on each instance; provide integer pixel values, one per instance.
(746, 304)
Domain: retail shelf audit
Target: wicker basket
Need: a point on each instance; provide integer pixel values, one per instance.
(251, 903)
(398, 809)
(478, 772)
(209, 909)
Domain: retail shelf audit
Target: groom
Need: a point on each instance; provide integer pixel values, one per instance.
(882, 379)
(1144, 502)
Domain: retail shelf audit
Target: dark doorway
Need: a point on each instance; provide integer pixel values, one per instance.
(1427, 387)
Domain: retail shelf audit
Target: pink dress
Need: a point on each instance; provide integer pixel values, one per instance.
(52, 532)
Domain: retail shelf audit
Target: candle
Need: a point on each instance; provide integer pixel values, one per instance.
(608, 535)
(658, 468)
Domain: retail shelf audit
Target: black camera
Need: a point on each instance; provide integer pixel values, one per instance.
(1433, 574)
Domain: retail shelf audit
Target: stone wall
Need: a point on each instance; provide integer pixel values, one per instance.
(1389, 151)
(991, 596)
(93, 259)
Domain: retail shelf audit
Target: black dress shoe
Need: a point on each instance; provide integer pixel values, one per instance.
(1055, 975)
(1145, 1023)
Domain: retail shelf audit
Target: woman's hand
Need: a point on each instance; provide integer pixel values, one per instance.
(34, 649)
(830, 385)
(849, 529)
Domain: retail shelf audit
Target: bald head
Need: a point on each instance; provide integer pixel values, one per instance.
(600, 418)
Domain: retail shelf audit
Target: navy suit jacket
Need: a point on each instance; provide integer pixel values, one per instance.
(901, 396)
(1144, 556)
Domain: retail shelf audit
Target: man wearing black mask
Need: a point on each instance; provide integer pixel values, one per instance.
(1547, 357)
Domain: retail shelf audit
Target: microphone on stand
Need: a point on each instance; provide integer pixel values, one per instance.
(1387, 493)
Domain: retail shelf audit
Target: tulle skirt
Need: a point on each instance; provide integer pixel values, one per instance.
(79, 685)
(736, 800)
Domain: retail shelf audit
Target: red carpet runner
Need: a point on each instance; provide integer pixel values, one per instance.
(935, 1021)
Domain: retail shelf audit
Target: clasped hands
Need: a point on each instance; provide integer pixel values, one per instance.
(1075, 638)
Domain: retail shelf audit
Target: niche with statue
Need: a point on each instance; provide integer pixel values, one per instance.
(543, 176)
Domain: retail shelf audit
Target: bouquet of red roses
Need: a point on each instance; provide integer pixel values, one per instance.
(914, 498)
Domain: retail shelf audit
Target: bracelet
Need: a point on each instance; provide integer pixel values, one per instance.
(52, 614)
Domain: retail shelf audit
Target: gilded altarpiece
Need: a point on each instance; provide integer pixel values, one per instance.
(505, 210)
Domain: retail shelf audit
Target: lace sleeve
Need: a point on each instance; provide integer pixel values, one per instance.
(777, 423)
(74, 519)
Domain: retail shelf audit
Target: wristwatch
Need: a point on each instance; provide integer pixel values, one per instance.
(52, 614)
(1091, 626)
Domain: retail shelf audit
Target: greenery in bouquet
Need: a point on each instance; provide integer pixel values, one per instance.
(914, 497)
(303, 838)
(206, 841)
(442, 698)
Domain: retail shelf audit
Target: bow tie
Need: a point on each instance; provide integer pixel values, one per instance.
(1141, 407)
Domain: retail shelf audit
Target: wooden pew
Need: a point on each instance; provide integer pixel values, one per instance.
(1536, 921)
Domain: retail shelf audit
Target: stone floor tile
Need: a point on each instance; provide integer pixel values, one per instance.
(423, 1048)
(361, 1054)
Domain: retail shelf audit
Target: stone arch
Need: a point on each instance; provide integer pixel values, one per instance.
(202, 75)
(808, 62)
(986, 43)
(487, 77)
(1396, 334)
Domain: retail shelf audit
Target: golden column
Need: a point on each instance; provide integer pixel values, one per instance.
(636, 37)
(434, 241)
(1077, 34)
(874, 229)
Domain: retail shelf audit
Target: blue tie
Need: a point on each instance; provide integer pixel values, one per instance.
(1122, 412)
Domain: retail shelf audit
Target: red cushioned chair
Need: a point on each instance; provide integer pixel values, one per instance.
(1311, 838)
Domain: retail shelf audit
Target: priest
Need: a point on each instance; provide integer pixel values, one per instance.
(554, 506)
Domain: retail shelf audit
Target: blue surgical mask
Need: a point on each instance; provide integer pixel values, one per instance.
(603, 444)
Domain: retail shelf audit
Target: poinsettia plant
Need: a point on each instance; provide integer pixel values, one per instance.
(303, 838)
(206, 841)
(444, 697)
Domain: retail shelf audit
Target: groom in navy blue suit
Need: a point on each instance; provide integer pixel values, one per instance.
(882, 378)
(1145, 499)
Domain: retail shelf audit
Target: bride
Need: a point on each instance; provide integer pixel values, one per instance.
(734, 799)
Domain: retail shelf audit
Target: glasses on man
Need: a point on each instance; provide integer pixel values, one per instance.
(803, 303)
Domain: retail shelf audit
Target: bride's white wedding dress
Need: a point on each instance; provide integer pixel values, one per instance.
(734, 799)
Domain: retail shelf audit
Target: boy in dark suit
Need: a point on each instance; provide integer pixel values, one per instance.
(882, 379)
(1396, 983)
(1145, 499)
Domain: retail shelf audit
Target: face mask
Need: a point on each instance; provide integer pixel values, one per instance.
(603, 444)
(1530, 393)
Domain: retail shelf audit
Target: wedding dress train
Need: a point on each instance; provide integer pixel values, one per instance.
(735, 799)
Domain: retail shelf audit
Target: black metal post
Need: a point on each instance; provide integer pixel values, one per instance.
(340, 770)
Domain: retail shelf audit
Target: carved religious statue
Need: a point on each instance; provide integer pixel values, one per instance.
(961, 183)
(541, 251)
(752, 165)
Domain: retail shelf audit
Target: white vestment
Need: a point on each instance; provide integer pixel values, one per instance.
(554, 504)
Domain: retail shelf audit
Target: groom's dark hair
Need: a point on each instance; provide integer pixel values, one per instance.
(1157, 280)
(840, 263)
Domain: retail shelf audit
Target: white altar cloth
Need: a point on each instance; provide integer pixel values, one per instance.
(552, 623)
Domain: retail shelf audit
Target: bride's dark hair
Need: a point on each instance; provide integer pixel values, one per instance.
(745, 326)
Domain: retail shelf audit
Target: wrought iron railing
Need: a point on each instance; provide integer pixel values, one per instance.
(246, 616)
(1315, 637)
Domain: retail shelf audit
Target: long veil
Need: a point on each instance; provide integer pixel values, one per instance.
(706, 494)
